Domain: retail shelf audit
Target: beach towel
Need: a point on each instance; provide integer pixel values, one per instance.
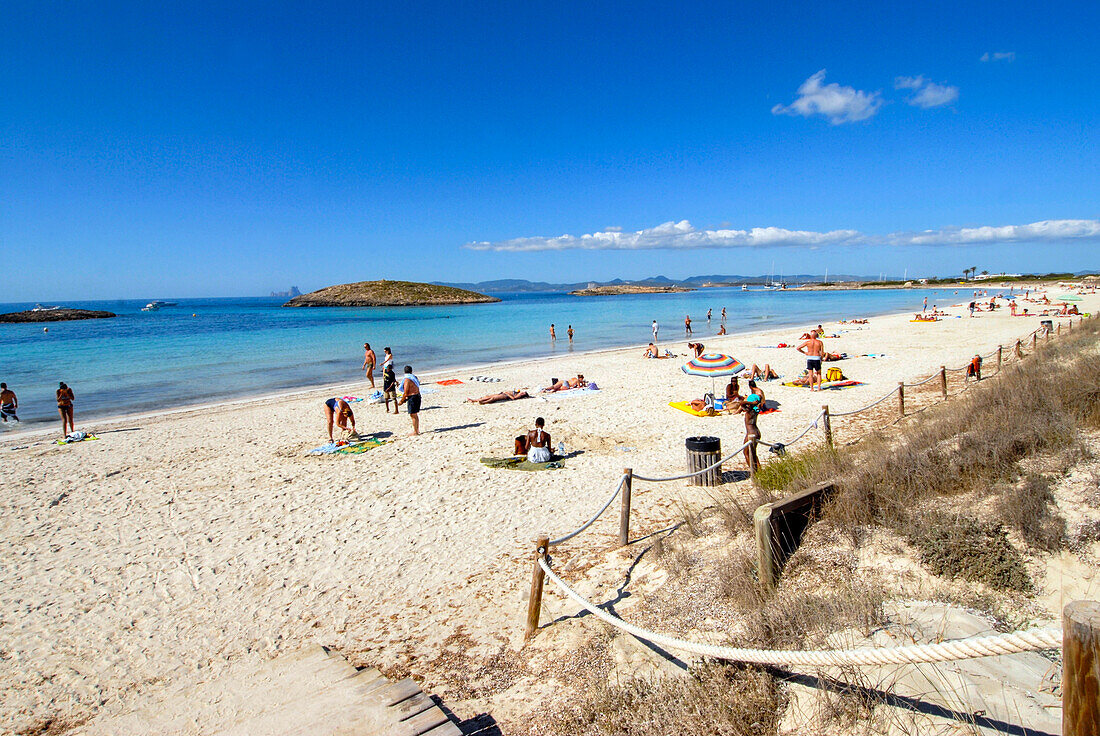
(570, 394)
(519, 462)
(351, 399)
(685, 406)
(829, 384)
(449, 382)
(76, 437)
(347, 448)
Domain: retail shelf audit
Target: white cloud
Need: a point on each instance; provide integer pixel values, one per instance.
(837, 103)
(999, 56)
(926, 92)
(682, 235)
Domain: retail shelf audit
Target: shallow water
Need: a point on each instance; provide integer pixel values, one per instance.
(210, 349)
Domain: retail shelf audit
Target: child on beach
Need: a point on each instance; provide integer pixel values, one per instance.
(389, 386)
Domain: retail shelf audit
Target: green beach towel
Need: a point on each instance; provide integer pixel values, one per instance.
(521, 463)
(361, 446)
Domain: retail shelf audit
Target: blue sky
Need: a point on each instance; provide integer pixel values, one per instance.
(233, 148)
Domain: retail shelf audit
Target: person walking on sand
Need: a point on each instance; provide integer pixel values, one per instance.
(9, 403)
(814, 351)
(65, 399)
(410, 396)
(368, 362)
(655, 328)
(687, 325)
(569, 332)
(389, 388)
(553, 335)
(339, 411)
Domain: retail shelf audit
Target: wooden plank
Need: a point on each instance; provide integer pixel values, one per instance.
(396, 692)
(416, 704)
(447, 729)
(779, 528)
(418, 724)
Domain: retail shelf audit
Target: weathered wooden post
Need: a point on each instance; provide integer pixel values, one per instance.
(1019, 350)
(1058, 329)
(624, 511)
(1034, 339)
(827, 425)
(901, 398)
(943, 381)
(1000, 352)
(534, 603)
(1081, 669)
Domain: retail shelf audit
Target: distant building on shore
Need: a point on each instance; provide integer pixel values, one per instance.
(292, 293)
(988, 276)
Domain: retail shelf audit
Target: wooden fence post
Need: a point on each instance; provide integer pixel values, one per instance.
(827, 425)
(901, 398)
(1034, 339)
(943, 381)
(534, 603)
(1081, 669)
(624, 511)
(1058, 329)
(1000, 352)
(1019, 350)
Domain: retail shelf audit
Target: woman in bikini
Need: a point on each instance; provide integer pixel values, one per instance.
(65, 398)
(339, 411)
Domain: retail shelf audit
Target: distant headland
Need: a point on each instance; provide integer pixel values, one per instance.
(291, 292)
(58, 314)
(388, 294)
(594, 290)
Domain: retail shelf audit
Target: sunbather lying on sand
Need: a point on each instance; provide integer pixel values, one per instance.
(566, 385)
(766, 373)
(519, 393)
(834, 356)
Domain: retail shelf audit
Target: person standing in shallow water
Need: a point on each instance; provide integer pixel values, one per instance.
(553, 334)
(569, 332)
(65, 399)
(687, 325)
(9, 403)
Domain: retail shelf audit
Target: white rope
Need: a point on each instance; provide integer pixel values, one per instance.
(984, 646)
(921, 383)
(697, 472)
(806, 431)
(865, 408)
(591, 521)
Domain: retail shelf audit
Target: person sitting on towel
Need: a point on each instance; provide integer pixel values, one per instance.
(538, 443)
(733, 390)
(650, 352)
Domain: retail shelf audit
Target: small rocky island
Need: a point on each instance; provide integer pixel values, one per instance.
(628, 289)
(388, 294)
(55, 315)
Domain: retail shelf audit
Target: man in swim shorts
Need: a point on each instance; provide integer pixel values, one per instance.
(655, 328)
(9, 403)
(687, 325)
(410, 396)
(570, 333)
(368, 362)
(814, 350)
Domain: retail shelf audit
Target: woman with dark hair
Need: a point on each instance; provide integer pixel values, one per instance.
(65, 400)
(538, 443)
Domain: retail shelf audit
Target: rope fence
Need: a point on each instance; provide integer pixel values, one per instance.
(985, 646)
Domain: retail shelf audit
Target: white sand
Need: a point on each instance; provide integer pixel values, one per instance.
(154, 556)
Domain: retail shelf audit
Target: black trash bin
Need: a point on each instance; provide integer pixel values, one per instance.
(703, 452)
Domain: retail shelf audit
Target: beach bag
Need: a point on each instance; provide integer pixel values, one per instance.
(834, 374)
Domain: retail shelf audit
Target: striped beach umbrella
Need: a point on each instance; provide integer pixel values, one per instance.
(713, 365)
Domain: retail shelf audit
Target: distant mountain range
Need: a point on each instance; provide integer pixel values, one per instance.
(523, 285)
(794, 279)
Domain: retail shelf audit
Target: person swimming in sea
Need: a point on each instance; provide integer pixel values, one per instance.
(339, 412)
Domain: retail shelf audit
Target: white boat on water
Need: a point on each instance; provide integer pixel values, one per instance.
(44, 308)
(156, 304)
(744, 287)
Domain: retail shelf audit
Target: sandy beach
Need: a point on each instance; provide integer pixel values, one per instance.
(175, 544)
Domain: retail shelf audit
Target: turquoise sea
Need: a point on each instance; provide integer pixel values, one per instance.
(208, 349)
